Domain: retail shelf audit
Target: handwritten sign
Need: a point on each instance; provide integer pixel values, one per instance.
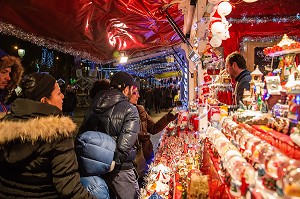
(263, 61)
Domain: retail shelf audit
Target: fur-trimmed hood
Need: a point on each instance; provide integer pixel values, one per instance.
(42, 128)
(16, 69)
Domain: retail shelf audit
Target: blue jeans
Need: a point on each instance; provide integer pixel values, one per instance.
(96, 186)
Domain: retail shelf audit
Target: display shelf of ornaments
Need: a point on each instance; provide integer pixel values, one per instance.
(277, 171)
(175, 172)
(284, 52)
(284, 47)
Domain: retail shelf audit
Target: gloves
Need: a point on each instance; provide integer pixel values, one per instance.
(172, 115)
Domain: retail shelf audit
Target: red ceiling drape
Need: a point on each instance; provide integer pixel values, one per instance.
(241, 30)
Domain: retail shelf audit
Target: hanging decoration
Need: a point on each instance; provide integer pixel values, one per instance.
(258, 20)
(168, 74)
(212, 58)
(224, 8)
(219, 26)
(47, 58)
(263, 39)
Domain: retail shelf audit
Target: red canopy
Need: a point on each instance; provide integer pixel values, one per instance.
(92, 29)
(97, 29)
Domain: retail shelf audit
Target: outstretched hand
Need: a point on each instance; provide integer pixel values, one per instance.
(172, 114)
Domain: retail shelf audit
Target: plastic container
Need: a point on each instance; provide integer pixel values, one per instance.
(244, 139)
(233, 162)
(243, 169)
(256, 150)
(264, 152)
(273, 162)
(291, 183)
(286, 167)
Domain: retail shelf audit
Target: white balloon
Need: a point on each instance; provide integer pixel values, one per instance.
(225, 35)
(215, 42)
(214, 2)
(217, 28)
(224, 8)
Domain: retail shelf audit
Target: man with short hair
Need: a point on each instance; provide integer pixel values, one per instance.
(113, 114)
(237, 69)
(11, 71)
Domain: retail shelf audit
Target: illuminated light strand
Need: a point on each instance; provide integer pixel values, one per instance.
(145, 61)
(148, 70)
(258, 20)
(263, 39)
(47, 58)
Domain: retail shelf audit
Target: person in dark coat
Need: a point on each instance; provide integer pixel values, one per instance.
(69, 101)
(11, 71)
(113, 114)
(237, 69)
(149, 100)
(100, 84)
(157, 93)
(37, 157)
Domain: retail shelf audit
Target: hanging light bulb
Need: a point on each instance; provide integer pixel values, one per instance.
(123, 57)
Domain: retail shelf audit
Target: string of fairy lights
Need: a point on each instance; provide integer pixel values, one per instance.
(263, 39)
(258, 20)
(144, 70)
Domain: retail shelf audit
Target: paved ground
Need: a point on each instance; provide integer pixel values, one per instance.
(79, 114)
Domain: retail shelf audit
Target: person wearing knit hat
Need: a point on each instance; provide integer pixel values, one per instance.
(11, 71)
(37, 155)
(121, 80)
(112, 113)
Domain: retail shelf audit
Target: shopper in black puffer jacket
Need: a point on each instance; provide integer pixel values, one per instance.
(37, 157)
(113, 114)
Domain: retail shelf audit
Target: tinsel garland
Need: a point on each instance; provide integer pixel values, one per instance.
(9, 29)
(258, 20)
(12, 30)
(263, 39)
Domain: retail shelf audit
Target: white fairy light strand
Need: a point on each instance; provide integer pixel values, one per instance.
(258, 20)
(263, 39)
